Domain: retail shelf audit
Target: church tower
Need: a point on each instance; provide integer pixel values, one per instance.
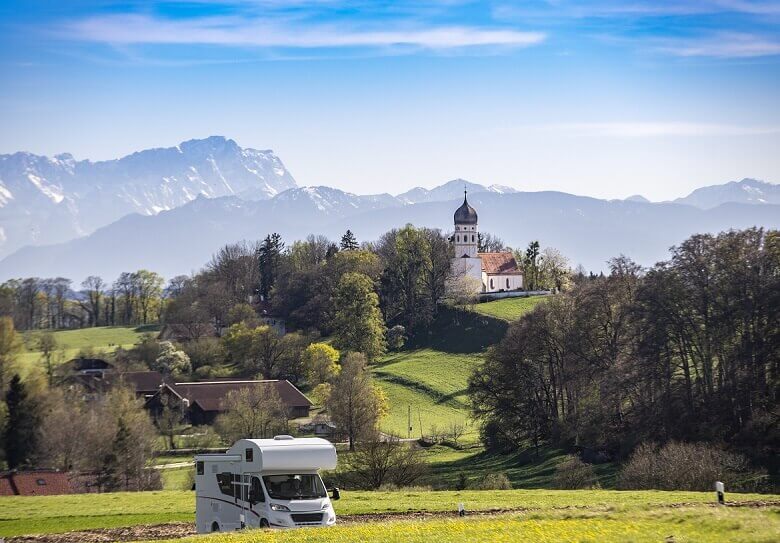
(466, 237)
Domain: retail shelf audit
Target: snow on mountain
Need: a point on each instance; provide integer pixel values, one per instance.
(332, 202)
(53, 199)
(451, 190)
(747, 191)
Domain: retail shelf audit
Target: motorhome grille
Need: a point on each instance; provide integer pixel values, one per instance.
(307, 517)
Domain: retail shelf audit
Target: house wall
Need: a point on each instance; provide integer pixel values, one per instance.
(499, 283)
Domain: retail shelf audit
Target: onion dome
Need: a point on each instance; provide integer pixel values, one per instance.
(465, 214)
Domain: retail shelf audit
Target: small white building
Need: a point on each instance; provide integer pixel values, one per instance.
(495, 272)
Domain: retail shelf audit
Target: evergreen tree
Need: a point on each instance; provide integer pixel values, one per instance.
(268, 260)
(349, 241)
(358, 322)
(22, 421)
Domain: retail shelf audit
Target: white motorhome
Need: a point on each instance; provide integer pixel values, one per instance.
(260, 483)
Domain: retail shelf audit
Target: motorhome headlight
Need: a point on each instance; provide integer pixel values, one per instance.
(325, 506)
(279, 507)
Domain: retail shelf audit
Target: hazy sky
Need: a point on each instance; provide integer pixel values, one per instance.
(605, 98)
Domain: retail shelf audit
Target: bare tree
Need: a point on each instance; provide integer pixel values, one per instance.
(354, 404)
(380, 460)
(93, 289)
(252, 412)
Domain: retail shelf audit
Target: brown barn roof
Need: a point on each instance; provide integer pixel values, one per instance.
(210, 395)
(141, 381)
(499, 264)
(34, 483)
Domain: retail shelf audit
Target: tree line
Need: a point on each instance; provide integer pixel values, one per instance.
(688, 349)
(53, 303)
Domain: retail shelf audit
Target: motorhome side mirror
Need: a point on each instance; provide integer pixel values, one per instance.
(336, 494)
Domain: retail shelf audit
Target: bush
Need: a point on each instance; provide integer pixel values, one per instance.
(685, 466)
(396, 338)
(383, 460)
(574, 474)
(493, 481)
(205, 352)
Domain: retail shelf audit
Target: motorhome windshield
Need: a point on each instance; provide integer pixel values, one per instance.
(294, 486)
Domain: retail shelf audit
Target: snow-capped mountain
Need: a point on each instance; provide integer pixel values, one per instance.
(449, 191)
(747, 191)
(330, 202)
(46, 200)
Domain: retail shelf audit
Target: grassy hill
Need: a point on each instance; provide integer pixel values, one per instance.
(71, 342)
(508, 309)
(431, 378)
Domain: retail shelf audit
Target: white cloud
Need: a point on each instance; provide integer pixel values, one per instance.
(232, 31)
(723, 45)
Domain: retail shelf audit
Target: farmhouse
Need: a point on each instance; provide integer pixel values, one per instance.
(41, 482)
(201, 402)
(144, 384)
(490, 272)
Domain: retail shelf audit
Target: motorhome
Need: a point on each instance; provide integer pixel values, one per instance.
(260, 483)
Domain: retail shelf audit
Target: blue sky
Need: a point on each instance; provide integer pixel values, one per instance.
(605, 98)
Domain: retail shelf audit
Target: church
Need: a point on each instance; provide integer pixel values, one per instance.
(495, 272)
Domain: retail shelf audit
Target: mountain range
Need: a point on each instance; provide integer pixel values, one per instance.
(169, 210)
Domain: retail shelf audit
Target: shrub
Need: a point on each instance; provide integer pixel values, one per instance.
(574, 474)
(684, 466)
(205, 352)
(383, 460)
(493, 481)
(396, 338)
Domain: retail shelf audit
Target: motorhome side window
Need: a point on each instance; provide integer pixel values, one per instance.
(248, 454)
(225, 482)
(199, 467)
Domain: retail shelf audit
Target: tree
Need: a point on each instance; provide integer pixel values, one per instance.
(172, 361)
(262, 351)
(554, 272)
(488, 243)
(117, 457)
(269, 255)
(10, 345)
(320, 363)
(530, 265)
(358, 322)
(47, 344)
(380, 460)
(355, 404)
(21, 424)
(168, 421)
(252, 412)
(396, 338)
(149, 288)
(349, 242)
(242, 312)
(93, 290)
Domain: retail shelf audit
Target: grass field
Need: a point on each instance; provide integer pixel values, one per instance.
(508, 309)
(432, 383)
(55, 514)
(71, 342)
(690, 524)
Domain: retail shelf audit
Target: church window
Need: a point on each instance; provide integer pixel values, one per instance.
(491, 282)
(472, 238)
(457, 238)
(507, 282)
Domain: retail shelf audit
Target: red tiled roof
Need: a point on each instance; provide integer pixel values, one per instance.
(34, 483)
(499, 264)
(210, 395)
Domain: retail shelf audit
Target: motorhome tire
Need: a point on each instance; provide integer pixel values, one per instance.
(264, 523)
(214, 527)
